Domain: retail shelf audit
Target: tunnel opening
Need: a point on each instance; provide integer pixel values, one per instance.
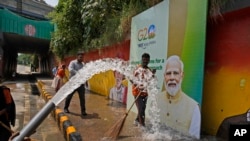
(30, 53)
(23, 35)
(27, 63)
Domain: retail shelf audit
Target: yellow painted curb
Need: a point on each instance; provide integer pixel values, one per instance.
(62, 119)
(57, 111)
(48, 98)
(45, 95)
(70, 130)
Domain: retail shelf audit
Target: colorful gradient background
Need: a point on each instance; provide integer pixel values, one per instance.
(187, 33)
(227, 69)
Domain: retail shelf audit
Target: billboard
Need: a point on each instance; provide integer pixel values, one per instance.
(173, 33)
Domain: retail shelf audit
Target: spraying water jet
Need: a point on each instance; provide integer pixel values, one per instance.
(89, 70)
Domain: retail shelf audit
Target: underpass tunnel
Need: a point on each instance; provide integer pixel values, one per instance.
(12, 44)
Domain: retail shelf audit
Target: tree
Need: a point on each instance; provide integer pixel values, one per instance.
(90, 24)
(69, 28)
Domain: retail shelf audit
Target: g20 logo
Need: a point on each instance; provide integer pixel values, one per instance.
(146, 33)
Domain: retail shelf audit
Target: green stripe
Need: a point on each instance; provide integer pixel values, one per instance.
(13, 23)
(194, 49)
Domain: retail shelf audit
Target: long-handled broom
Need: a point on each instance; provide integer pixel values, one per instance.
(115, 130)
(6, 127)
(14, 134)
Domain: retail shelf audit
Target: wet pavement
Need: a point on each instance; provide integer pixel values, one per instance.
(102, 113)
(28, 103)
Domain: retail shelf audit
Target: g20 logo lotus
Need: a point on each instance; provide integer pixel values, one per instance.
(146, 33)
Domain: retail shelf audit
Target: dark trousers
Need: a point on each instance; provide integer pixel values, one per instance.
(141, 107)
(4, 133)
(81, 92)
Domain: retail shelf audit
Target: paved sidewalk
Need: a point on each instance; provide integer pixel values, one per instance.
(102, 114)
(27, 105)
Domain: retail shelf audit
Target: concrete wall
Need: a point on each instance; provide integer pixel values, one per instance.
(103, 82)
(227, 69)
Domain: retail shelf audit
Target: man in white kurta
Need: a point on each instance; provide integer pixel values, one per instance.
(177, 109)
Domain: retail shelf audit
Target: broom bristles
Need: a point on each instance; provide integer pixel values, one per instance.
(115, 130)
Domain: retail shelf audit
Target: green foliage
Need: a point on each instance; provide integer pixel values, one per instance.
(69, 31)
(100, 20)
(24, 59)
(27, 59)
(91, 24)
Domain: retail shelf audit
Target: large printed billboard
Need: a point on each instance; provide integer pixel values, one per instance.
(173, 33)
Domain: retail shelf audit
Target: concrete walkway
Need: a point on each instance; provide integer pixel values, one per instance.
(102, 115)
(27, 105)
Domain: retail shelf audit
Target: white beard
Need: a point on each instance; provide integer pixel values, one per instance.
(173, 90)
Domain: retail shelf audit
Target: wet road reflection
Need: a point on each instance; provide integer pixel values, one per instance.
(27, 105)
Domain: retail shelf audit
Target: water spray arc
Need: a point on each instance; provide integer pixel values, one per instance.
(89, 70)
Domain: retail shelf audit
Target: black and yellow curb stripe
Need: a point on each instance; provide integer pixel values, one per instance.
(63, 122)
